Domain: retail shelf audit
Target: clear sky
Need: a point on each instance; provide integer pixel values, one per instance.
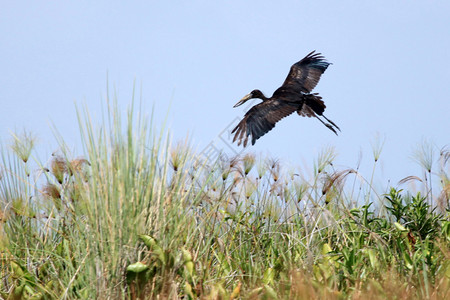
(390, 75)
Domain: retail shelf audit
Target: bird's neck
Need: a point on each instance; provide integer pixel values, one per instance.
(263, 98)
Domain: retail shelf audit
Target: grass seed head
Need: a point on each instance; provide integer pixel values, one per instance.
(424, 155)
(177, 157)
(23, 145)
(58, 167)
(51, 191)
(274, 168)
(225, 166)
(444, 157)
(261, 168)
(408, 179)
(335, 180)
(326, 158)
(250, 187)
(377, 146)
(249, 162)
(301, 189)
(78, 167)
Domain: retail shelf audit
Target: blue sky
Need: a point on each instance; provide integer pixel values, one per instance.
(390, 75)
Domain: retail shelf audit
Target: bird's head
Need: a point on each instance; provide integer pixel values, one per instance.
(253, 94)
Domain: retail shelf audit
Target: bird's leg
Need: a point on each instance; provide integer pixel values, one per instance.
(331, 122)
(326, 124)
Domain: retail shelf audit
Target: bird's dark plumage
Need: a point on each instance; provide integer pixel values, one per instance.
(294, 95)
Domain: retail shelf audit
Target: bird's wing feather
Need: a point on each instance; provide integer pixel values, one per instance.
(261, 118)
(305, 74)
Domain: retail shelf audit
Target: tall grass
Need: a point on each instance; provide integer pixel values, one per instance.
(137, 216)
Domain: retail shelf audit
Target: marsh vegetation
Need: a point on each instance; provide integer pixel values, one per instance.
(136, 216)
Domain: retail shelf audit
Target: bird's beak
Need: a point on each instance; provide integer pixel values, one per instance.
(243, 100)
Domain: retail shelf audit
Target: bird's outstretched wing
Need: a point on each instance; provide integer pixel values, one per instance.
(261, 118)
(305, 74)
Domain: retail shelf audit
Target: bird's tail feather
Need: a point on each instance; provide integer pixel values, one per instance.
(314, 101)
(314, 107)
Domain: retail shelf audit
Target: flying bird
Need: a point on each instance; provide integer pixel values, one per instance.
(294, 95)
